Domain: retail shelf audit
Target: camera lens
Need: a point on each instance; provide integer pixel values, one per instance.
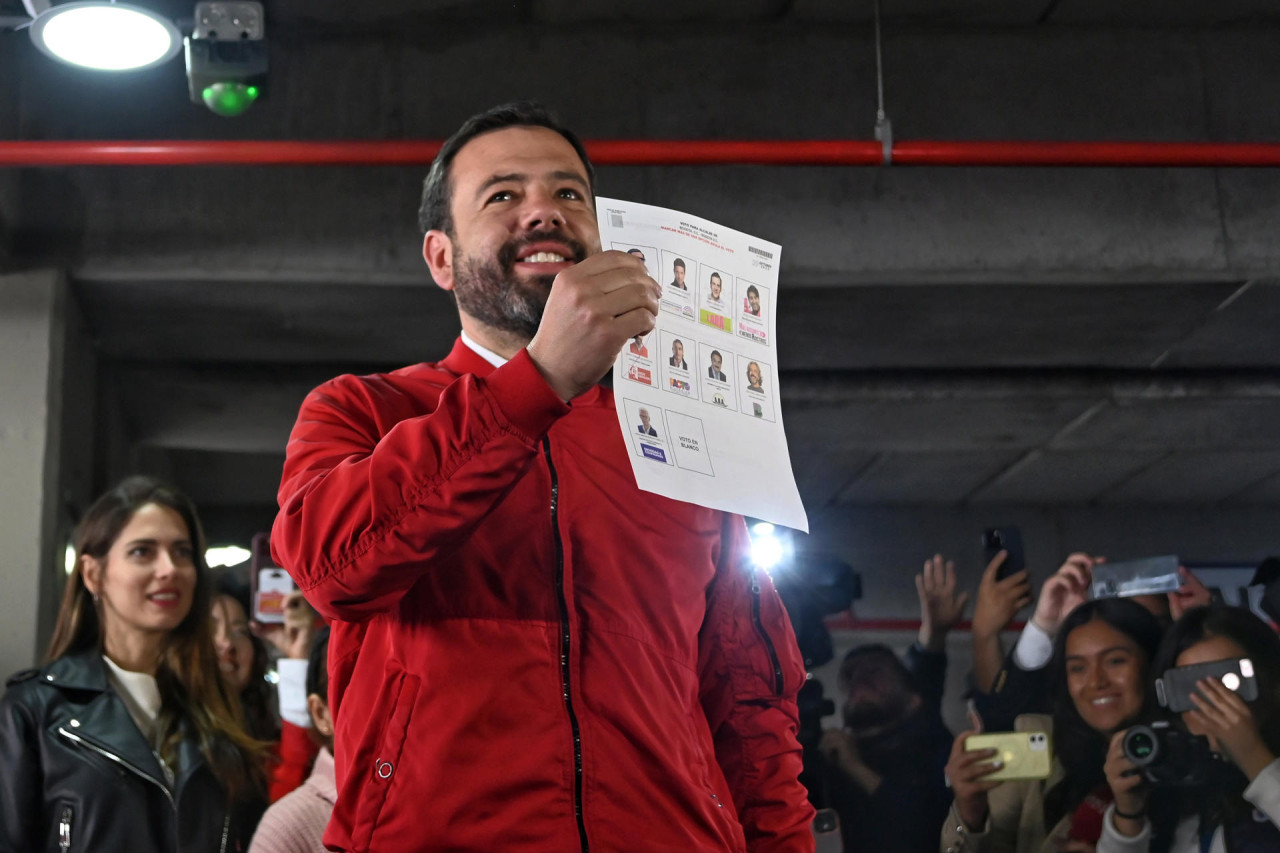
(1140, 745)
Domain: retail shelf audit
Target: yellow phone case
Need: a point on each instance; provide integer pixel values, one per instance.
(1026, 755)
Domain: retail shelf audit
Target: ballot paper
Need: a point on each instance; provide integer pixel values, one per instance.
(697, 398)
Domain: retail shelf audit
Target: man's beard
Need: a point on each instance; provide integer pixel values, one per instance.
(488, 290)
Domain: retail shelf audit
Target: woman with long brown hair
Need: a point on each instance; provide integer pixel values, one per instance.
(128, 739)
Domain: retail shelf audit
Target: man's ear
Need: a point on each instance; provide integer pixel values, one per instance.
(91, 571)
(437, 251)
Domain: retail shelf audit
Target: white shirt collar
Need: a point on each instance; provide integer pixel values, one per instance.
(487, 354)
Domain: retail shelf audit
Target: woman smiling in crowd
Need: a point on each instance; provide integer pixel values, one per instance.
(128, 739)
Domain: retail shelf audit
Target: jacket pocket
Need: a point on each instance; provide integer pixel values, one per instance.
(402, 690)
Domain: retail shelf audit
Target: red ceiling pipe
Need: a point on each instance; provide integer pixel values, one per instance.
(668, 152)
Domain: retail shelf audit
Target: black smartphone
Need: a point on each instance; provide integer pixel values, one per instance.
(1008, 539)
(1174, 688)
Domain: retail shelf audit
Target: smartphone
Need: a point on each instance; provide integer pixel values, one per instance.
(1174, 688)
(1008, 539)
(270, 584)
(1026, 755)
(1148, 576)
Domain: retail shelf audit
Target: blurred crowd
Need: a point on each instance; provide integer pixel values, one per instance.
(1112, 724)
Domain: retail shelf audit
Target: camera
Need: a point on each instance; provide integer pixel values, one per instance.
(1168, 756)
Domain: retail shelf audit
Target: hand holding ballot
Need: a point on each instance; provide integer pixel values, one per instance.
(594, 308)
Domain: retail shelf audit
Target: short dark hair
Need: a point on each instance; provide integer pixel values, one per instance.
(876, 657)
(434, 213)
(679, 263)
(716, 275)
(751, 290)
(318, 665)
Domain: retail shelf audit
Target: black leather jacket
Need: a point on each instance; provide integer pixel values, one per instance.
(76, 774)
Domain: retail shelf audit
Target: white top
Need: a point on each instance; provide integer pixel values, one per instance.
(1263, 794)
(487, 354)
(140, 694)
(1034, 649)
(292, 691)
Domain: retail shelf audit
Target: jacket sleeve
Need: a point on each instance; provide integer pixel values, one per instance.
(21, 795)
(749, 674)
(928, 674)
(365, 505)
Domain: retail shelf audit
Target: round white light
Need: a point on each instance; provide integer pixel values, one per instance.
(762, 528)
(106, 36)
(766, 551)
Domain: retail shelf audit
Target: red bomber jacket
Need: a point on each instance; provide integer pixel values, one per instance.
(528, 652)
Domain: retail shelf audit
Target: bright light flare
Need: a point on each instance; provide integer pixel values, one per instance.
(770, 546)
(226, 555)
(105, 36)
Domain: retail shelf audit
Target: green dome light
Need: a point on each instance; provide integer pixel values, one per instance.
(229, 99)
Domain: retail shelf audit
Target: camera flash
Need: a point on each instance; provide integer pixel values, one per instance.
(1231, 681)
(1246, 667)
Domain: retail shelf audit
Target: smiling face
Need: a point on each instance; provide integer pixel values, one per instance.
(232, 641)
(1105, 674)
(717, 361)
(753, 375)
(753, 300)
(644, 417)
(522, 213)
(146, 582)
(1210, 649)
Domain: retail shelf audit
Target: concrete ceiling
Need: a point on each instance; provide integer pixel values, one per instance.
(948, 336)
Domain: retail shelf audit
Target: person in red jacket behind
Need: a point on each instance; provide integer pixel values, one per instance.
(528, 652)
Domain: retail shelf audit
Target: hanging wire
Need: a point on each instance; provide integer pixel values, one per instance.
(884, 127)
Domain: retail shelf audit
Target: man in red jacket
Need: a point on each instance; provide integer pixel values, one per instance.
(528, 652)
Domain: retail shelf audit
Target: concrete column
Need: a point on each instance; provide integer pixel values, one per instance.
(33, 310)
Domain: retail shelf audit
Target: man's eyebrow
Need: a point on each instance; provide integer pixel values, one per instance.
(521, 177)
(513, 177)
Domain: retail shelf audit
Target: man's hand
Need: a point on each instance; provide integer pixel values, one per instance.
(594, 308)
(841, 749)
(1191, 594)
(999, 600)
(940, 606)
(1064, 592)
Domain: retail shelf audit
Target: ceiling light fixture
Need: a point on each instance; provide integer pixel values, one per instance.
(227, 56)
(105, 36)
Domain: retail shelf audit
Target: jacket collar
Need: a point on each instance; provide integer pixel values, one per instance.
(462, 359)
(83, 671)
(105, 722)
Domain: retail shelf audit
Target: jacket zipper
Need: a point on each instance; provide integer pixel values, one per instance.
(764, 635)
(64, 829)
(118, 760)
(565, 642)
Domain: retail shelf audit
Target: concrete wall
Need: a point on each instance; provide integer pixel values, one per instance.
(33, 363)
